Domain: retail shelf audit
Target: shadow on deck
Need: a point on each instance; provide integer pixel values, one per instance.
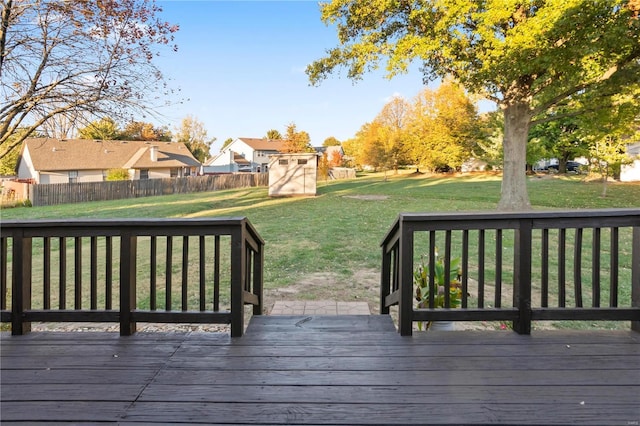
(323, 370)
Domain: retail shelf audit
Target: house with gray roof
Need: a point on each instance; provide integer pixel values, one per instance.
(49, 160)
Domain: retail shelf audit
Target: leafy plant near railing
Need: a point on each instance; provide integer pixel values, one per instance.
(421, 281)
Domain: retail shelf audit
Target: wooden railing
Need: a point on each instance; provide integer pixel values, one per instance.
(130, 271)
(519, 267)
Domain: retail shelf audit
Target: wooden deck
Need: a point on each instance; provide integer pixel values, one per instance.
(322, 370)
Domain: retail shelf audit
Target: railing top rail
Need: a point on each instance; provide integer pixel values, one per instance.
(137, 226)
(120, 222)
(495, 220)
(517, 215)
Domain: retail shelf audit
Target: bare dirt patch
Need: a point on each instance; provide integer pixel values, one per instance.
(363, 286)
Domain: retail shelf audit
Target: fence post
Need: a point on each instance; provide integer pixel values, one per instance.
(128, 254)
(635, 275)
(405, 305)
(238, 268)
(522, 277)
(21, 283)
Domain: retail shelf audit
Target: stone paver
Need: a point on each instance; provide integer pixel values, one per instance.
(319, 307)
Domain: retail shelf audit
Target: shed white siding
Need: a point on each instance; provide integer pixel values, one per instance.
(293, 174)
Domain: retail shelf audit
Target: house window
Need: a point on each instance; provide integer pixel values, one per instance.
(105, 173)
(283, 162)
(173, 172)
(302, 161)
(144, 174)
(73, 176)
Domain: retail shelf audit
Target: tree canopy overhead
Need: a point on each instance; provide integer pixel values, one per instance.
(78, 59)
(531, 57)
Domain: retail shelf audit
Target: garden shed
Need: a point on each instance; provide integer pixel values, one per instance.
(293, 174)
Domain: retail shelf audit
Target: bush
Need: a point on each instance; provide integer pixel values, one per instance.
(117, 174)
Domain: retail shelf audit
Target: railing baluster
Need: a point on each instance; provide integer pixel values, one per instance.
(94, 273)
(481, 239)
(46, 273)
(168, 273)
(78, 273)
(577, 267)
(447, 269)
(185, 270)
(595, 268)
(108, 279)
(202, 273)
(433, 286)
(562, 258)
(544, 280)
(613, 284)
(497, 303)
(216, 274)
(62, 241)
(153, 273)
(635, 275)
(258, 283)
(3, 272)
(465, 268)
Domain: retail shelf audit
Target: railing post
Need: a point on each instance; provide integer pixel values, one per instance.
(238, 261)
(385, 280)
(635, 275)
(128, 254)
(522, 277)
(405, 306)
(21, 283)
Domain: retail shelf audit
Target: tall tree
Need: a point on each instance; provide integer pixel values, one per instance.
(77, 58)
(394, 118)
(142, 131)
(225, 143)
(105, 129)
(297, 141)
(331, 141)
(443, 128)
(273, 134)
(193, 134)
(559, 139)
(530, 57)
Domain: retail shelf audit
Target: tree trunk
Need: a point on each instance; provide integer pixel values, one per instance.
(517, 120)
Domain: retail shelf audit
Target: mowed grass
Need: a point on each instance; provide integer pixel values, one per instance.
(339, 231)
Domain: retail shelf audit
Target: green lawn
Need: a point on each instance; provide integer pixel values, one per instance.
(328, 246)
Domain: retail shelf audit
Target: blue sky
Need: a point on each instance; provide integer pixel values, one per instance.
(241, 66)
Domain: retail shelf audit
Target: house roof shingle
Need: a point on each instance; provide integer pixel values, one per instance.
(80, 154)
(265, 144)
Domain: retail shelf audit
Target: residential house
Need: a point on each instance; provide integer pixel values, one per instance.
(47, 160)
(245, 155)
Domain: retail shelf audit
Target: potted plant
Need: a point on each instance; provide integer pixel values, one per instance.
(421, 281)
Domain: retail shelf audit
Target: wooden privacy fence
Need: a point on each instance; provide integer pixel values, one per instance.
(520, 267)
(63, 193)
(146, 270)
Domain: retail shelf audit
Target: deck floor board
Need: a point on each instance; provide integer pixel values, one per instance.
(322, 370)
